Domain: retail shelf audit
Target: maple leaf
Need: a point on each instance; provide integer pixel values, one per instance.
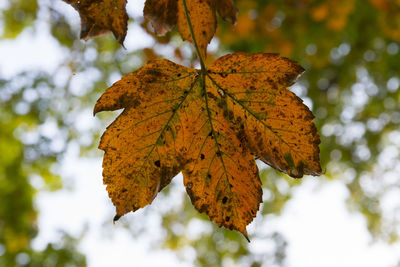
(166, 14)
(210, 124)
(99, 17)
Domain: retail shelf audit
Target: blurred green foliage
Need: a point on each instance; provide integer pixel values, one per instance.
(350, 49)
(17, 16)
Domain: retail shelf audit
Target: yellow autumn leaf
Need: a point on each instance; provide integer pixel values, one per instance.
(210, 124)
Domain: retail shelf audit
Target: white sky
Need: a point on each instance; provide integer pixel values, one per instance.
(319, 229)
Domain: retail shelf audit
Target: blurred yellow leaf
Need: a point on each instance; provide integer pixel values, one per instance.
(166, 14)
(99, 17)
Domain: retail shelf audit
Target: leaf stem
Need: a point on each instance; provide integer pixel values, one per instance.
(203, 66)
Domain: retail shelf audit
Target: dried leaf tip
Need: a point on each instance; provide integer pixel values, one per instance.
(96, 109)
(246, 236)
(116, 218)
